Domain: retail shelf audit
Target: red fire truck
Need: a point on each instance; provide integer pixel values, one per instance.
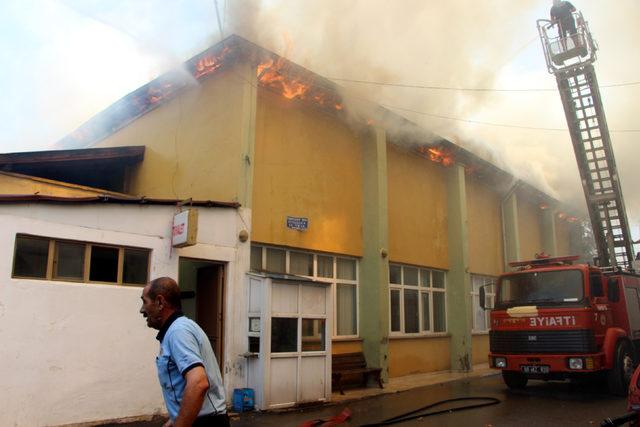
(554, 319)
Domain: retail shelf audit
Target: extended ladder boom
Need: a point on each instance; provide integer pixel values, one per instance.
(571, 59)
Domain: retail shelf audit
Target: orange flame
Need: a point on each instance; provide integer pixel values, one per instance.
(280, 76)
(439, 156)
(271, 73)
(210, 63)
(543, 206)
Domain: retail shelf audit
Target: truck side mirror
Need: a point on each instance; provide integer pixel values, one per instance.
(613, 290)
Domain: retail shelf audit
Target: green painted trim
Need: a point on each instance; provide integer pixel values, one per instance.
(511, 232)
(374, 268)
(549, 237)
(459, 318)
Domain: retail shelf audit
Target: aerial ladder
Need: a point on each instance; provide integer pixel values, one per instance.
(570, 58)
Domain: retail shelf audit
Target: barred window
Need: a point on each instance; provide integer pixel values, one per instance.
(417, 300)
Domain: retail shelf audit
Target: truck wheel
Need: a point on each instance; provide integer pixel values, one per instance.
(514, 380)
(619, 376)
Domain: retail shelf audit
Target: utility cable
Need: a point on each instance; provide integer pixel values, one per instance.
(467, 89)
(218, 18)
(504, 125)
(420, 412)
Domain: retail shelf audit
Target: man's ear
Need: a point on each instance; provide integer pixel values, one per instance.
(161, 301)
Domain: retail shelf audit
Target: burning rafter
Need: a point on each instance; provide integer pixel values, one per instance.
(294, 82)
(437, 155)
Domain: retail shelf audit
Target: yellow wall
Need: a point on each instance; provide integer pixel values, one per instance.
(192, 142)
(307, 164)
(339, 347)
(484, 229)
(418, 355)
(529, 228)
(11, 183)
(479, 349)
(417, 209)
(563, 238)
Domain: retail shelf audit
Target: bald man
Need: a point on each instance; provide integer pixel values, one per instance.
(187, 368)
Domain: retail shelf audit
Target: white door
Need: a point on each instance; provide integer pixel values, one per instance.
(299, 347)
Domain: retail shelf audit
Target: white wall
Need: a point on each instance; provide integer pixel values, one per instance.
(80, 352)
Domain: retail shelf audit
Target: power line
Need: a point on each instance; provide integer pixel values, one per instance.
(218, 18)
(466, 89)
(504, 125)
(475, 122)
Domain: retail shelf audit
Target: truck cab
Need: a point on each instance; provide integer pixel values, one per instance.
(552, 319)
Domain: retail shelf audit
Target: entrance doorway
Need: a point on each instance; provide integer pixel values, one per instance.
(202, 287)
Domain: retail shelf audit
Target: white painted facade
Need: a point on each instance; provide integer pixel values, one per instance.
(75, 353)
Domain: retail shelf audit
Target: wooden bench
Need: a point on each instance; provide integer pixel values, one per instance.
(352, 364)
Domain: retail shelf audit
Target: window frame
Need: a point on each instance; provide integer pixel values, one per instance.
(422, 289)
(334, 280)
(53, 251)
(490, 282)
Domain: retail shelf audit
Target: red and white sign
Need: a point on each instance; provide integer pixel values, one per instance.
(185, 228)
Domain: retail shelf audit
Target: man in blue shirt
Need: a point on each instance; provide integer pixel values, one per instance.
(187, 368)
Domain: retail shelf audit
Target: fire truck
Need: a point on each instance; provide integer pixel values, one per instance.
(553, 318)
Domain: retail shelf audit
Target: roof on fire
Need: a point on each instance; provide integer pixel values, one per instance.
(203, 65)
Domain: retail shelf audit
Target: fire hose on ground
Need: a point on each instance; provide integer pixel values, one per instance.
(411, 415)
(614, 422)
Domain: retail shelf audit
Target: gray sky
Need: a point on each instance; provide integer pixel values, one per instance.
(65, 60)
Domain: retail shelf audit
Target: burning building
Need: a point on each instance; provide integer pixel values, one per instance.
(348, 234)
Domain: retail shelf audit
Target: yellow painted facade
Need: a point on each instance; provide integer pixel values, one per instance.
(192, 143)
(418, 355)
(484, 228)
(340, 347)
(12, 183)
(307, 164)
(480, 348)
(417, 209)
(529, 228)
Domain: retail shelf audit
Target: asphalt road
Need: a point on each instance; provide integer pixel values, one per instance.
(540, 404)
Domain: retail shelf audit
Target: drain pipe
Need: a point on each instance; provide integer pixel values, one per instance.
(506, 197)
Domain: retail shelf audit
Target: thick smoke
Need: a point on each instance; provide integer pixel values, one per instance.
(92, 52)
(462, 44)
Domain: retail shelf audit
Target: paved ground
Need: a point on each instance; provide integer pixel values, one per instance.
(540, 404)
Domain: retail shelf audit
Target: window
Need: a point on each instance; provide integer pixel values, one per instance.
(417, 300)
(342, 272)
(63, 260)
(481, 322)
(284, 334)
(31, 256)
(68, 263)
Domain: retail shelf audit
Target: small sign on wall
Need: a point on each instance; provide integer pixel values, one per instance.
(185, 229)
(296, 223)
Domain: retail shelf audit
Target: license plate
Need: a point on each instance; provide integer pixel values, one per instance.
(535, 369)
